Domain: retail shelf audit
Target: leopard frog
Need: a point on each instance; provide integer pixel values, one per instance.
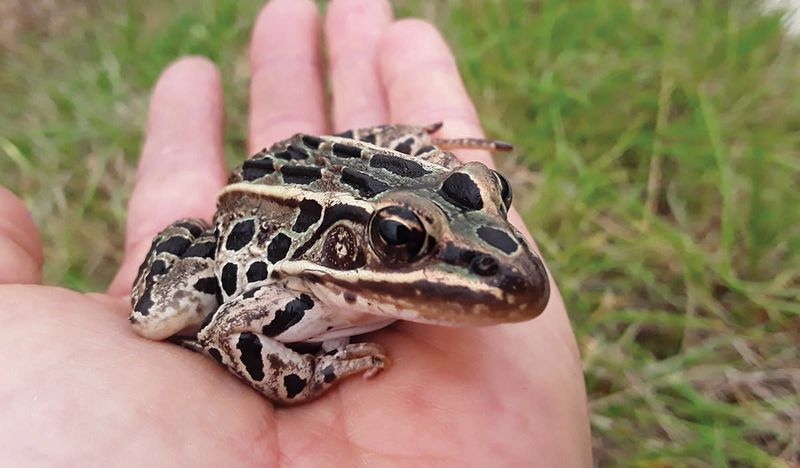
(320, 238)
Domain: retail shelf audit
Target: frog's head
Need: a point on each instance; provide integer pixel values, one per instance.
(445, 253)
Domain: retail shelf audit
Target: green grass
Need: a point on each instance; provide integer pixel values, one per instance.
(661, 142)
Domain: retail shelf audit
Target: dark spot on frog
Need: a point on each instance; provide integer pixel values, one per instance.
(250, 347)
(310, 213)
(241, 234)
(366, 185)
(425, 149)
(144, 303)
(291, 314)
(214, 353)
(404, 146)
(460, 190)
(497, 239)
(399, 166)
(229, 278)
(144, 264)
(158, 267)
(253, 169)
(301, 175)
(257, 272)
(206, 285)
(201, 250)
(346, 151)
(294, 385)
(346, 134)
(264, 234)
(369, 138)
(328, 374)
(194, 228)
(250, 294)
(278, 247)
(311, 141)
(349, 297)
(174, 245)
(292, 153)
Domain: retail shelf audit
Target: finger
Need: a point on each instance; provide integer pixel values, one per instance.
(286, 89)
(181, 169)
(423, 84)
(20, 249)
(353, 29)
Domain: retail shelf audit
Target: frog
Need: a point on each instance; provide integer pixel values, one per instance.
(320, 239)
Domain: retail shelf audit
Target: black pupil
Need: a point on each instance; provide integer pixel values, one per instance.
(396, 233)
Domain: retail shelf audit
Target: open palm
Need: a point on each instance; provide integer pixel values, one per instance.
(79, 386)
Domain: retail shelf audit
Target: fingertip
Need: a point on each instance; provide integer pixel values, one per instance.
(190, 84)
(196, 67)
(413, 39)
(278, 24)
(343, 12)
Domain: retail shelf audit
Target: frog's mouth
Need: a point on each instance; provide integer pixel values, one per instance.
(433, 296)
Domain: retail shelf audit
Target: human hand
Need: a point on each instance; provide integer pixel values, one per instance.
(80, 386)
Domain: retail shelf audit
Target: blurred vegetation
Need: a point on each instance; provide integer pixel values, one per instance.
(658, 167)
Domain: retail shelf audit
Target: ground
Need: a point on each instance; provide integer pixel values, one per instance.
(657, 166)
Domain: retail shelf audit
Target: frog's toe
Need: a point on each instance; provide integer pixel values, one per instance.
(369, 358)
(357, 350)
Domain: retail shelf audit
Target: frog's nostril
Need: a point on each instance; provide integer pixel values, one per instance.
(484, 265)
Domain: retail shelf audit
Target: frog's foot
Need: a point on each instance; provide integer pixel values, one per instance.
(176, 286)
(352, 358)
(288, 377)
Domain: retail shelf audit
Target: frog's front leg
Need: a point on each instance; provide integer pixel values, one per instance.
(247, 334)
(176, 286)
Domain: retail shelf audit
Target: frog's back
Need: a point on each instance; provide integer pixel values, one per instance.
(339, 164)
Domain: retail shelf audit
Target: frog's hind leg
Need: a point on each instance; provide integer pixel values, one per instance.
(176, 288)
(247, 336)
(419, 141)
(472, 143)
(408, 139)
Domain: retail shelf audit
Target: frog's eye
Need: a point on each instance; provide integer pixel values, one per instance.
(505, 189)
(397, 235)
